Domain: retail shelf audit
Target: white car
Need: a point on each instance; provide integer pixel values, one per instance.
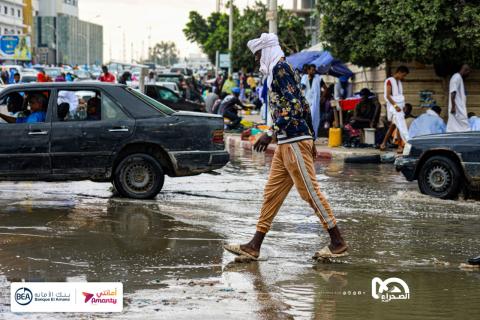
(28, 75)
(170, 85)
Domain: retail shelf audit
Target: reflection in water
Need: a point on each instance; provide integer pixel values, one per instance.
(126, 243)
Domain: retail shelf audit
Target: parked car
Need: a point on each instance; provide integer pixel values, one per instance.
(170, 77)
(443, 164)
(82, 75)
(170, 85)
(28, 75)
(108, 133)
(185, 71)
(53, 72)
(172, 99)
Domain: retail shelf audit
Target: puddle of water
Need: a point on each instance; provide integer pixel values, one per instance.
(169, 252)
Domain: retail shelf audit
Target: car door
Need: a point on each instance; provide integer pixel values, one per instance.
(24, 147)
(82, 145)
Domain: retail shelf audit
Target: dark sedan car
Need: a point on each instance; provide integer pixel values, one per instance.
(443, 164)
(106, 133)
(172, 99)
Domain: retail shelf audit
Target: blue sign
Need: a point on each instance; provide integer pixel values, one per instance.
(13, 47)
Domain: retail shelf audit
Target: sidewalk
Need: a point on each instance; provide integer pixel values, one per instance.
(323, 151)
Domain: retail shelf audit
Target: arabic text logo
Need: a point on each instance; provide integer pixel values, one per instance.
(88, 296)
(105, 296)
(23, 296)
(390, 289)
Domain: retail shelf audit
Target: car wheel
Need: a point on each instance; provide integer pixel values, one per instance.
(440, 177)
(139, 176)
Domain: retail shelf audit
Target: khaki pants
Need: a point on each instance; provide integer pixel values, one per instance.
(293, 164)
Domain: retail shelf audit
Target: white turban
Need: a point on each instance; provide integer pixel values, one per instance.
(271, 53)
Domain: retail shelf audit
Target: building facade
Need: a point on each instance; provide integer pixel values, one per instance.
(307, 10)
(11, 17)
(61, 37)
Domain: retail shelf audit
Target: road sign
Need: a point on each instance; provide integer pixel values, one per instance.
(224, 60)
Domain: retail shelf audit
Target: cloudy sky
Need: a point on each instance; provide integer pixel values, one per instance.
(139, 19)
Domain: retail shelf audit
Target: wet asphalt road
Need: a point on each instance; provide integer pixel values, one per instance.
(168, 252)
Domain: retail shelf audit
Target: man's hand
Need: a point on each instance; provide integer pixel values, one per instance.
(397, 108)
(454, 110)
(262, 143)
(314, 151)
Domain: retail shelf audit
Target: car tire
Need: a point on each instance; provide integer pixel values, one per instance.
(440, 177)
(138, 176)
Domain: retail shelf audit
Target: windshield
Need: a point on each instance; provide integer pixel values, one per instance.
(152, 102)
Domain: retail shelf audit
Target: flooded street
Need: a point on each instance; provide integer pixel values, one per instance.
(168, 252)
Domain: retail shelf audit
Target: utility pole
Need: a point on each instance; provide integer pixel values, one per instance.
(217, 53)
(230, 37)
(272, 17)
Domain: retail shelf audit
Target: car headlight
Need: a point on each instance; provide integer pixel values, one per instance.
(406, 149)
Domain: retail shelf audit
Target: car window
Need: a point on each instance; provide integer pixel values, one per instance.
(111, 110)
(151, 102)
(167, 95)
(24, 106)
(78, 105)
(86, 105)
(151, 92)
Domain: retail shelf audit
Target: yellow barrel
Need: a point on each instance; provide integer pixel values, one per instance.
(335, 137)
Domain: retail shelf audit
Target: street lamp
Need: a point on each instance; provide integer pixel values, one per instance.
(56, 41)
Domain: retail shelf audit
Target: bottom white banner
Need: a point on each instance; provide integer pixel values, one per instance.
(66, 296)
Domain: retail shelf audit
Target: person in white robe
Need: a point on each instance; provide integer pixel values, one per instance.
(457, 102)
(473, 121)
(393, 93)
(428, 123)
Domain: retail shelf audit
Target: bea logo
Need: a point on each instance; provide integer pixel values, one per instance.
(23, 296)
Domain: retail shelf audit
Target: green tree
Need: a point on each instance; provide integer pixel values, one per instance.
(212, 33)
(369, 32)
(164, 53)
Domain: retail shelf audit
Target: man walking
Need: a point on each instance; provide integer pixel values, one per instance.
(457, 102)
(293, 161)
(393, 93)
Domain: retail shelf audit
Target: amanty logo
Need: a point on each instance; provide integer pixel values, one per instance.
(390, 289)
(23, 296)
(88, 296)
(106, 296)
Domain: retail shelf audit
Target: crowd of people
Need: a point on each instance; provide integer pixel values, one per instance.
(228, 95)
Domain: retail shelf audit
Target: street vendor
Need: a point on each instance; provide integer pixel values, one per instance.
(366, 111)
(230, 106)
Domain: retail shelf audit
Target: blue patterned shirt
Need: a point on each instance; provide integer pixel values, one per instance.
(292, 120)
